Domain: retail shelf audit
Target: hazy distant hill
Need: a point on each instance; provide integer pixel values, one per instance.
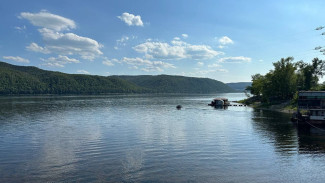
(32, 80)
(240, 86)
(178, 84)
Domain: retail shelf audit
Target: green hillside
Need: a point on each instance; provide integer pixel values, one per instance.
(178, 84)
(240, 86)
(32, 80)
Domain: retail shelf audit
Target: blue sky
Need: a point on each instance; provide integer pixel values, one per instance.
(224, 40)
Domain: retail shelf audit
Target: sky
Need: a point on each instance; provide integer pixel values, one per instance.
(224, 40)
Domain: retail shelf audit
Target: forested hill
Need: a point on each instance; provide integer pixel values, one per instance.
(240, 86)
(178, 84)
(32, 80)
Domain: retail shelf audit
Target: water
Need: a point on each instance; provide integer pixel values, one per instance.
(143, 138)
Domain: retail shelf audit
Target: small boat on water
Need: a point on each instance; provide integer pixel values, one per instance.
(219, 102)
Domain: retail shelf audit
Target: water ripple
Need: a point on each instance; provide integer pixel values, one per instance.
(143, 138)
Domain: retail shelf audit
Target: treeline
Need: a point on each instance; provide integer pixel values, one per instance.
(178, 84)
(287, 77)
(31, 80)
(239, 86)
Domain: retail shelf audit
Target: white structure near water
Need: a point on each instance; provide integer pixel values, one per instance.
(314, 103)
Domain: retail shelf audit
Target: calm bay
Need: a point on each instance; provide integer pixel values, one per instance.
(144, 138)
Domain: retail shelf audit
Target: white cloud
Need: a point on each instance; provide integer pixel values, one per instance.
(135, 61)
(178, 42)
(160, 50)
(163, 64)
(152, 69)
(52, 64)
(214, 65)
(134, 67)
(177, 50)
(67, 44)
(204, 73)
(123, 41)
(34, 47)
(83, 72)
(20, 28)
(109, 62)
(130, 19)
(184, 36)
(240, 59)
(57, 42)
(59, 61)
(177, 38)
(225, 40)
(16, 59)
(147, 65)
(222, 70)
(200, 64)
(201, 52)
(48, 20)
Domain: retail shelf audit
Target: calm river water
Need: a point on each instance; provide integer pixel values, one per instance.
(143, 138)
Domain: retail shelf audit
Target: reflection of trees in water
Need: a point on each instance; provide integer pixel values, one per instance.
(287, 138)
(276, 127)
(15, 108)
(311, 140)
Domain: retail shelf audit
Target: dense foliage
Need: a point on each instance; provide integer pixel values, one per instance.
(178, 84)
(308, 75)
(287, 77)
(32, 80)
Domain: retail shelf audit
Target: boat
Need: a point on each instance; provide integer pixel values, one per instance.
(219, 102)
(311, 108)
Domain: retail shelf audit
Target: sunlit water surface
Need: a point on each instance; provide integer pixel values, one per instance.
(144, 138)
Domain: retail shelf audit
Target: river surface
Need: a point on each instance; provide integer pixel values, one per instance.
(144, 138)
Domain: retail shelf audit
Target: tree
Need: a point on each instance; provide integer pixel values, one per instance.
(284, 78)
(308, 75)
(257, 85)
(277, 84)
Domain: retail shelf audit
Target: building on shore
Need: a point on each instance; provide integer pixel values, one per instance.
(311, 108)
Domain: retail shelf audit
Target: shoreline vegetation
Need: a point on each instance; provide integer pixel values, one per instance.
(284, 107)
(278, 89)
(27, 80)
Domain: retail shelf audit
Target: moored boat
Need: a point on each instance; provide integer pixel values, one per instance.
(311, 108)
(219, 102)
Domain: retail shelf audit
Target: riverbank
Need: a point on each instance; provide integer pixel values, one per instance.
(284, 107)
